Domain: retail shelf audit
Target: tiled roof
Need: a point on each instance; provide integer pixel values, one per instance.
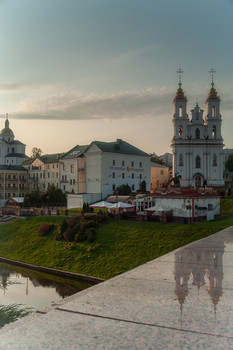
(50, 158)
(75, 152)
(18, 155)
(119, 146)
(12, 167)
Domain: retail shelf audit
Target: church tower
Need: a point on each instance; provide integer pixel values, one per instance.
(197, 143)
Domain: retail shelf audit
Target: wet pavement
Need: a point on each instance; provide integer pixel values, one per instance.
(183, 300)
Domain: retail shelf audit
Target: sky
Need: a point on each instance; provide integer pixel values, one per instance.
(75, 71)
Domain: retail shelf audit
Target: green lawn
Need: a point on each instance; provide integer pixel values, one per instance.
(119, 245)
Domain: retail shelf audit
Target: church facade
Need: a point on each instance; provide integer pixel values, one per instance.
(197, 144)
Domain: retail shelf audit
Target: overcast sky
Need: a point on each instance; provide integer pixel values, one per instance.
(74, 71)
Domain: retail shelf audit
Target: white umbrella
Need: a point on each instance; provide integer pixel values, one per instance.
(121, 205)
(102, 204)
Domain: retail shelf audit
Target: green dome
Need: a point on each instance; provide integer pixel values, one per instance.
(7, 131)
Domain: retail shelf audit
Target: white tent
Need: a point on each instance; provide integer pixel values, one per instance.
(102, 204)
(158, 209)
(121, 205)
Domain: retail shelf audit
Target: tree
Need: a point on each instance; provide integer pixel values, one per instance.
(157, 160)
(229, 163)
(36, 152)
(123, 190)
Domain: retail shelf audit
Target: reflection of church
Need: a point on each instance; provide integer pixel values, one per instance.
(201, 265)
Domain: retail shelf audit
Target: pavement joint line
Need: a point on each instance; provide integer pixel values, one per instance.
(142, 323)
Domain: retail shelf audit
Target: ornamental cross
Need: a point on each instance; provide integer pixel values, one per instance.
(180, 71)
(212, 71)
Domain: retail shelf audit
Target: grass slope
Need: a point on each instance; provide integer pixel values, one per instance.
(119, 245)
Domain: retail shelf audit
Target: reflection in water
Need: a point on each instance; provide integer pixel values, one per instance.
(23, 291)
(203, 263)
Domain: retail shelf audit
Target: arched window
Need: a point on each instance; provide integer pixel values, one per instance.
(180, 131)
(180, 111)
(181, 162)
(214, 160)
(214, 111)
(197, 134)
(198, 162)
(214, 132)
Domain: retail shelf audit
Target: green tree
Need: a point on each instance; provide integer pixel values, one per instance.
(229, 163)
(123, 190)
(36, 152)
(157, 160)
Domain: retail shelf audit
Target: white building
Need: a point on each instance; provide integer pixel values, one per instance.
(197, 145)
(108, 165)
(12, 152)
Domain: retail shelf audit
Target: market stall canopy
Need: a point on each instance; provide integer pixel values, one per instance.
(121, 205)
(102, 204)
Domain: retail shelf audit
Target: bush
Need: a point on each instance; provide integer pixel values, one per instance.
(102, 219)
(70, 233)
(44, 229)
(90, 234)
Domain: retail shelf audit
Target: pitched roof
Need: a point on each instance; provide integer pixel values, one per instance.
(50, 158)
(12, 167)
(18, 155)
(75, 152)
(120, 146)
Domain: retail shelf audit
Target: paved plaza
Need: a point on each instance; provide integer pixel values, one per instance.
(182, 300)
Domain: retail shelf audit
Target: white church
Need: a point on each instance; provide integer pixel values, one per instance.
(197, 144)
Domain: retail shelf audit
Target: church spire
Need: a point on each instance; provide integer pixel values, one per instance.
(180, 92)
(7, 122)
(213, 95)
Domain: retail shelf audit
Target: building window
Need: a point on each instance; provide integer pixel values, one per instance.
(113, 187)
(123, 175)
(113, 175)
(214, 132)
(47, 166)
(180, 111)
(48, 175)
(214, 111)
(198, 162)
(140, 176)
(132, 163)
(70, 182)
(133, 187)
(180, 131)
(161, 172)
(123, 163)
(72, 169)
(73, 181)
(132, 175)
(113, 162)
(197, 134)
(181, 161)
(140, 164)
(214, 160)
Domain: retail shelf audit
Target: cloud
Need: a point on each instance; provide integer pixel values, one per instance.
(12, 87)
(70, 106)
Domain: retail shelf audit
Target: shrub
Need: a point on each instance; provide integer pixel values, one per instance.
(90, 234)
(72, 221)
(102, 219)
(44, 229)
(70, 233)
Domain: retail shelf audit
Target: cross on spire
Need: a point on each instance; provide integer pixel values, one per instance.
(212, 71)
(179, 72)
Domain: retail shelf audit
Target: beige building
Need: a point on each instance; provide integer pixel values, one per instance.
(159, 175)
(13, 182)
